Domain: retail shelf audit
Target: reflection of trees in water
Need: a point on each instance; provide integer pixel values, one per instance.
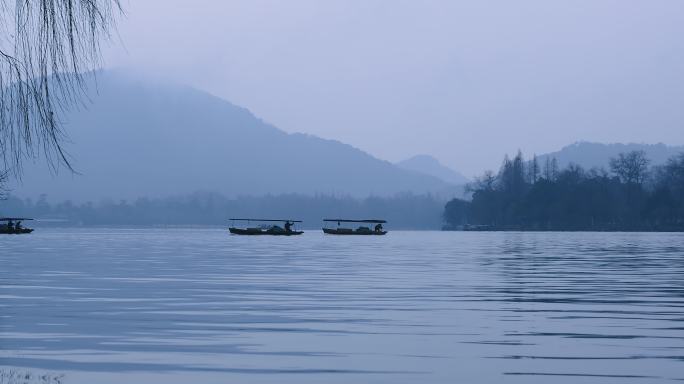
(580, 268)
(17, 376)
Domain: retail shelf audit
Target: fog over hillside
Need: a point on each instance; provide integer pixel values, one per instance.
(430, 166)
(153, 138)
(590, 155)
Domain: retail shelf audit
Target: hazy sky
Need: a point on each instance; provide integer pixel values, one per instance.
(463, 81)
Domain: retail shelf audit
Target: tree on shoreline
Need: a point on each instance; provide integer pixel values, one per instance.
(630, 167)
(632, 197)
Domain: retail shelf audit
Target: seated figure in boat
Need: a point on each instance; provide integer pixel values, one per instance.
(13, 225)
(366, 227)
(267, 228)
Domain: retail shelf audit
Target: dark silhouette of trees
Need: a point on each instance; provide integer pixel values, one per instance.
(47, 48)
(456, 211)
(630, 167)
(667, 202)
(630, 197)
(534, 170)
(550, 169)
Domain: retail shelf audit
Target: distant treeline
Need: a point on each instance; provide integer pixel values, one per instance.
(526, 195)
(404, 211)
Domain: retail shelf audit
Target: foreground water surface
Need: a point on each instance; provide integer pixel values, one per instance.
(199, 305)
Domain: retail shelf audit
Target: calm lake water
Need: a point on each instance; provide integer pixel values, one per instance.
(201, 306)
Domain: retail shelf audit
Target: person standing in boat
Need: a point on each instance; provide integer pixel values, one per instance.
(288, 226)
(378, 227)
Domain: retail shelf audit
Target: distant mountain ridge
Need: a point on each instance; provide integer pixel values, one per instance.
(428, 165)
(142, 137)
(589, 155)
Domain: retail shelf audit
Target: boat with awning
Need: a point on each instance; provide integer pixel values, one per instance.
(12, 226)
(265, 227)
(366, 227)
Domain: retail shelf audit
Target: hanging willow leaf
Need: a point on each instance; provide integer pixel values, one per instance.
(47, 48)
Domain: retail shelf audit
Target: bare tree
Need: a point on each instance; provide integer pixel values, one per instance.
(485, 183)
(547, 169)
(671, 175)
(554, 169)
(533, 170)
(630, 167)
(550, 169)
(47, 47)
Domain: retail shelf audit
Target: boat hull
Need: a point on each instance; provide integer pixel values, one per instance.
(5, 231)
(349, 232)
(262, 232)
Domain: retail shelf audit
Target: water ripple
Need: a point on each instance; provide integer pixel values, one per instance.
(174, 305)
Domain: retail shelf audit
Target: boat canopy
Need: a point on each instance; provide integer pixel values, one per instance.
(14, 219)
(357, 221)
(275, 220)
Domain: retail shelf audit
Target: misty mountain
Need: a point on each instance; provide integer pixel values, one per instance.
(428, 165)
(142, 137)
(589, 155)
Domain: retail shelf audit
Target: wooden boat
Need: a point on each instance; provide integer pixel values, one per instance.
(362, 230)
(266, 229)
(7, 226)
(5, 231)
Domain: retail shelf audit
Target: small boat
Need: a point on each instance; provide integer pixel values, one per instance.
(266, 227)
(362, 230)
(8, 226)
